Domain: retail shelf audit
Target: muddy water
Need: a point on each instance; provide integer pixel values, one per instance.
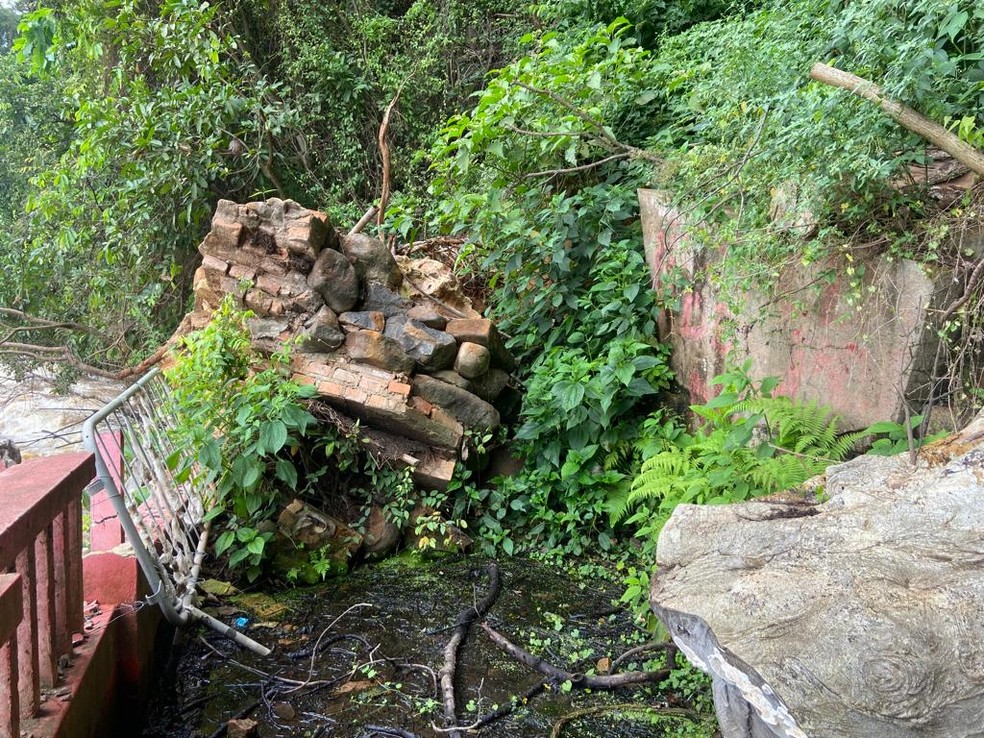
(43, 421)
(382, 636)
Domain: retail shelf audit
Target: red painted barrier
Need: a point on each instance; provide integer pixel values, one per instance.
(40, 542)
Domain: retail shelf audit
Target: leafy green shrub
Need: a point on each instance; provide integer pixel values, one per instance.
(531, 177)
(245, 424)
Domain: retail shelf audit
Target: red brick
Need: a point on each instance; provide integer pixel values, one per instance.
(400, 388)
(268, 284)
(242, 272)
(356, 395)
(331, 389)
(422, 405)
(214, 265)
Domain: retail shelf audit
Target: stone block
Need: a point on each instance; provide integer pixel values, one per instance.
(238, 271)
(490, 385)
(215, 264)
(430, 348)
(483, 332)
(259, 302)
(471, 411)
(334, 278)
(377, 350)
(363, 321)
(858, 616)
(381, 298)
(270, 285)
(321, 332)
(373, 262)
(428, 315)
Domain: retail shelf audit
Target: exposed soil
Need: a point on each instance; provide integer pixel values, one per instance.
(380, 635)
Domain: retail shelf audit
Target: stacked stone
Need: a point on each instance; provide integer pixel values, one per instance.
(407, 365)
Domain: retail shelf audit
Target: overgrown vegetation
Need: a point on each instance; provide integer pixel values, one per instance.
(122, 123)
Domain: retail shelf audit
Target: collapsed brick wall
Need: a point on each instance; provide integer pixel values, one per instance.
(376, 345)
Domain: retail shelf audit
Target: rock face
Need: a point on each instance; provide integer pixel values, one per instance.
(863, 349)
(363, 330)
(860, 616)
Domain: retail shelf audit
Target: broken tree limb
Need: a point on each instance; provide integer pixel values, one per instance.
(364, 220)
(465, 618)
(902, 114)
(582, 681)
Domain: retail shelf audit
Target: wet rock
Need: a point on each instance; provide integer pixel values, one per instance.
(860, 616)
(472, 360)
(373, 262)
(483, 332)
(382, 535)
(384, 300)
(430, 348)
(284, 711)
(242, 728)
(334, 278)
(322, 333)
(471, 411)
(452, 377)
(427, 315)
(311, 544)
(490, 385)
(362, 321)
(375, 349)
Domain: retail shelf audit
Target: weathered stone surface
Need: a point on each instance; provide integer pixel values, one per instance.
(303, 529)
(321, 332)
(382, 534)
(334, 278)
(860, 616)
(363, 321)
(472, 412)
(490, 385)
(430, 348)
(380, 298)
(452, 377)
(427, 315)
(431, 277)
(242, 728)
(472, 360)
(483, 332)
(372, 347)
(267, 334)
(373, 262)
(864, 350)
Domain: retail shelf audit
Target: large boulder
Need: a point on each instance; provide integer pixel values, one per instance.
(860, 616)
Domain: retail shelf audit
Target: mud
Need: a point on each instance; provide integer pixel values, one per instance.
(380, 635)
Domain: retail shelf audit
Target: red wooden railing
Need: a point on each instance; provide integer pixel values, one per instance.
(40, 578)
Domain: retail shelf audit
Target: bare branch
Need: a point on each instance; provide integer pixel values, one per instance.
(579, 168)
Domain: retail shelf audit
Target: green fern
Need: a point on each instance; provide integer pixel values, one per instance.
(751, 444)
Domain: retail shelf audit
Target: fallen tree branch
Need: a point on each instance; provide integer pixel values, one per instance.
(582, 681)
(668, 646)
(905, 116)
(364, 220)
(465, 618)
(579, 168)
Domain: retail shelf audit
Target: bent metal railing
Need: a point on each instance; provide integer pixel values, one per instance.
(161, 509)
